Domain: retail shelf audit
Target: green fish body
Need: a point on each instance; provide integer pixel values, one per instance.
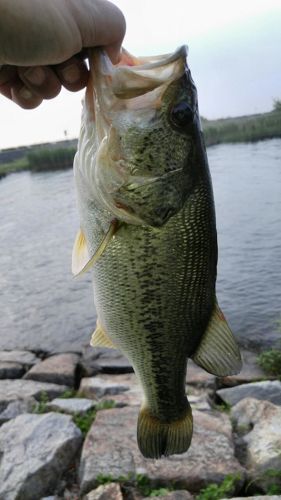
(148, 226)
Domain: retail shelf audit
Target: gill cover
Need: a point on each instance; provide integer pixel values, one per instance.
(117, 97)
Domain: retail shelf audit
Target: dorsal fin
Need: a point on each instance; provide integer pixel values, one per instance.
(100, 338)
(218, 352)
(79, 252)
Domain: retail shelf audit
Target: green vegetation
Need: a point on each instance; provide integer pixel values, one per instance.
(40, 159)
(13, 166)
(40, 407)
(270, 362)
(85, 420)
(270, 474)
(141, 482)
(243, 129)
(218, 491)
(50, 159)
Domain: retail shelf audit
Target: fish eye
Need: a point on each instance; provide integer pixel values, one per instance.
(182, 114)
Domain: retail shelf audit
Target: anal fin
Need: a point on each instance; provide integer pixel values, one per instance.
(218, 352)
(100, 338)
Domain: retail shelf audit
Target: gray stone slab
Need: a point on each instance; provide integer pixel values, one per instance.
(26, 358)
(260, 425)
(174, 495)
(72, 406)
(103, 385)
(35, 450)
(11, 370)
(259, 497)
(267, 390)
(110, 448)
(104, 360)
(16, 408)
(57, 369)
(12, 390)
(110, 491)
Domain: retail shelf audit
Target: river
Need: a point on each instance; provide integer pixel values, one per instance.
(44, 308)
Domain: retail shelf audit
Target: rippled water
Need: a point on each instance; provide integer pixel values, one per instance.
(43, 307)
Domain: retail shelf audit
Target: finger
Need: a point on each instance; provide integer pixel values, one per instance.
(73, 73)
(101, 23)
(24, 97)
(41, 81)
(8, 77)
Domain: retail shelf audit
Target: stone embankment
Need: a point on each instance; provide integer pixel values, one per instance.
(68, 431)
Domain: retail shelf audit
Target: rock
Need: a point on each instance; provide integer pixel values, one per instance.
(110, 448)
(57, 369)
(259, 422)
(72, 406)
(12, 390)
(199, 402)
(174, 495)
(199, 377)
(35, 450)
(103, 385)
(105, 361)
(263, 497)
(25, 358)
(251, 372)
(114, 362)
(267, 390)
(111, 491)
(16, 408)
(11, 370)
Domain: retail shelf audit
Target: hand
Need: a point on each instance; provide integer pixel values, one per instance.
(41, 44)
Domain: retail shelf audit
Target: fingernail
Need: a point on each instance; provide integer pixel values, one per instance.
(36, 76)
(25, 93)
(71, 73)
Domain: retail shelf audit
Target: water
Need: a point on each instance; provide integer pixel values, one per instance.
(44, 308)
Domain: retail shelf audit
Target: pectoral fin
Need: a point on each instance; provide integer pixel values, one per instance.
(81, 262)
(218, 352)
(80, 254)
(100, 338)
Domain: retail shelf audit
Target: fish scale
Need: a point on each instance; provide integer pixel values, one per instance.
(148, 229)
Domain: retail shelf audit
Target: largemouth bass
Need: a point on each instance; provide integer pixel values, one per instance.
(148, 229)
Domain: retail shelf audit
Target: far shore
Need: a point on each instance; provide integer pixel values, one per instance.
(60, 155)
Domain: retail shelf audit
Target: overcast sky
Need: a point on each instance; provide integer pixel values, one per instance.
(234, 56)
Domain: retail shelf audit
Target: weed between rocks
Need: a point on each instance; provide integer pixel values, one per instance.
(218, 491)
(270, 362)
(83, 421)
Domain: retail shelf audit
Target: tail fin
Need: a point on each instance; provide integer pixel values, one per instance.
(157, 438)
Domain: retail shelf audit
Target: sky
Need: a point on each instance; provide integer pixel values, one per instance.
(234, 57)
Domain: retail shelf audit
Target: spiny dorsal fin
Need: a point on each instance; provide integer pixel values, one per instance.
(100, 338)
(80, 254)
(218, 352)
(87, 264)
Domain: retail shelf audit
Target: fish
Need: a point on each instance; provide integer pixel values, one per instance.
(148, 234)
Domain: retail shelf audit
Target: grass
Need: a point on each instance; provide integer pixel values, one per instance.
(40, 407)
(218, 491)
(14, 166)
(270, 362)
(270, 474)
(243, 129)
(40, 159)
(141, 482)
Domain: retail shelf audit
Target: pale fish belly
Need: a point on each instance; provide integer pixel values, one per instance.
(154, 292)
